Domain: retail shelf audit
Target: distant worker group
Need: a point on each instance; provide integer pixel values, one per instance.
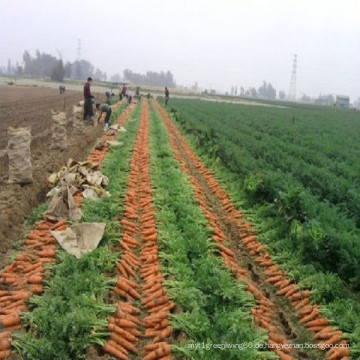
(89, 101)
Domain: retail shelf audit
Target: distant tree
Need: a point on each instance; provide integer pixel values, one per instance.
(77, 71)
(253, 92)
(18, 69)
(9, 68)
(262, 91)
(306, 98)
(151, 78)
(99, 75)
(282, 95)
(68, 69)
(115, 78)
(242, 91)
(27, 62)
(58, 72)
(267, 91)
(270, 92)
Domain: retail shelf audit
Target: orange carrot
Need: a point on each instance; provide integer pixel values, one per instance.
(284, 290)
(129, 308)
(335, 338)
(317, 322)
(47, 253)
(164, 334)
(37, 289)
(282, 355)
(316, 329)
(115, 352)
(5, 344)
(125, 334)
(274, 279)
(156, 302)
(58, 224)
(10, 320)
(5, 354)
(325, 335)
(125, 315)
(306, 310)
(35, 279)
(302, 303)
(339, 353)
(123, 342)
(314, 313)
(159, 353)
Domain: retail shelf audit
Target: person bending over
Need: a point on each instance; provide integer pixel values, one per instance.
(104, 108)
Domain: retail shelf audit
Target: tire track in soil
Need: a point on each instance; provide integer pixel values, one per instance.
(24, 276)
(258, 271)
(140, 324)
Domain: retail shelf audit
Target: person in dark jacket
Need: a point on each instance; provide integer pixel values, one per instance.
(166, 96)
(123, 91)
(88, 106)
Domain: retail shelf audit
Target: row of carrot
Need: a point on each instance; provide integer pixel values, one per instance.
(309, 315)
(139, 228)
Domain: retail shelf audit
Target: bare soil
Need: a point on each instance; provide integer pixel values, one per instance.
(31, 107)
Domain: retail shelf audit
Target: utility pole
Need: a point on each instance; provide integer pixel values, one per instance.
(292, 89)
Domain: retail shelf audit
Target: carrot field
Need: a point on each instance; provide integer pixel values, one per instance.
(232, 232)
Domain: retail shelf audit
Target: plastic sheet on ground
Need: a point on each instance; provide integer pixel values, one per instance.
(80, 239)
(76, 176)
(117, 127)
(62, 205)
(79, 174)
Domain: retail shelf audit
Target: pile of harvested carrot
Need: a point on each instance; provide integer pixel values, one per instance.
(141, 278)
(309, 315)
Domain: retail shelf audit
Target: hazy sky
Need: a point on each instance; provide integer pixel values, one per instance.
(216, 43)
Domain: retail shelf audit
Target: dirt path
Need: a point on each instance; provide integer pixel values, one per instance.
(31, 107)
(274, 313)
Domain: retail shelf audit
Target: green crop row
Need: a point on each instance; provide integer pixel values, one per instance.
(316, 240)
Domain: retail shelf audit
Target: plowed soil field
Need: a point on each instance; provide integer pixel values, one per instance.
(31, 107)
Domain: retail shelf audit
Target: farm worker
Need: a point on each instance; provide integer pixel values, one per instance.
(124, 90)
(108, 96)
(88, 106)
(104, 108)
(166, 95)
(137, 92)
